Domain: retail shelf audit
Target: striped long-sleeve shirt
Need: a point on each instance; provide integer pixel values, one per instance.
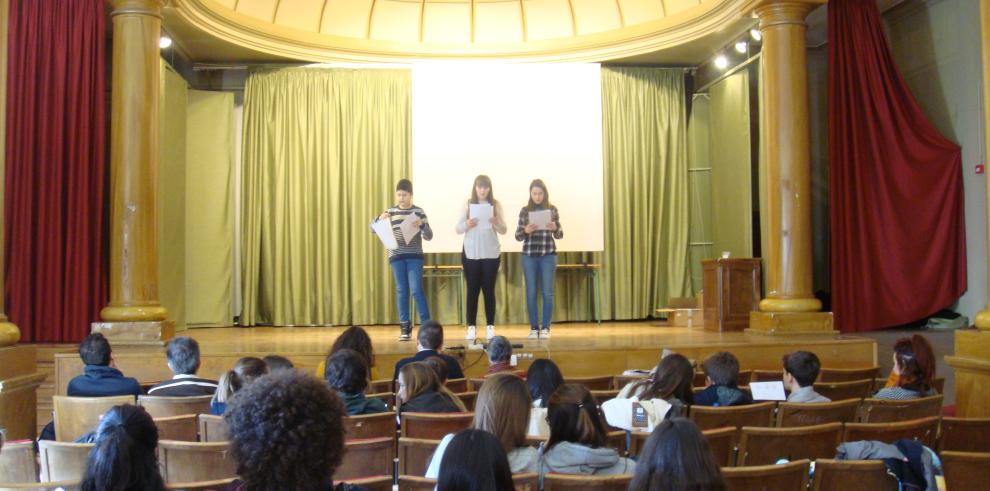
(413, 249)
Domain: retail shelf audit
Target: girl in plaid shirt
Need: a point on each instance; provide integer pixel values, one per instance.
(539, 257)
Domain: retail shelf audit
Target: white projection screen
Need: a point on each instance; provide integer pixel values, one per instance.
(514, 123)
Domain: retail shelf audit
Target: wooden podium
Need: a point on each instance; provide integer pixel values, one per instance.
(732, 291)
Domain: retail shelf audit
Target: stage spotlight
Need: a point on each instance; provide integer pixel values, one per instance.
(756, 35)
(164, 42)
(741, 47)
(721, 62)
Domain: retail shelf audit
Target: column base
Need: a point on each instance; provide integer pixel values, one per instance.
(19, 382)
(790, 323)
(9, 334)
(136, 333)
(971, 362)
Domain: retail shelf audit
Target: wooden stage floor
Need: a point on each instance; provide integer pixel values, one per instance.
(580, 349)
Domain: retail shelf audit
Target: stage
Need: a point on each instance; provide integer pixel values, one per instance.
(580, 349)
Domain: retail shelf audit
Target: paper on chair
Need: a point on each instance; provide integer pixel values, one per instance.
(540, 218)
(408, 228)
(767, 391)
(383, 229)
(483, 212)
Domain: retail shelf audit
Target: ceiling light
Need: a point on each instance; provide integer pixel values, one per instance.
(756, 34)
(164, 42)
(741, 47)
(721, 62)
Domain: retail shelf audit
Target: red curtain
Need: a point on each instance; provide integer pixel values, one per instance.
(56, 279)
(896, 196)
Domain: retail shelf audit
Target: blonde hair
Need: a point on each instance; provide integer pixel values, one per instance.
(244, 372)
(502, 409)
(420, 377)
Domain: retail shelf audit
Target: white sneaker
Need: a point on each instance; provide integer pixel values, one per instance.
(489, 332)
(471, 334)
(545, 333)
(534, 334)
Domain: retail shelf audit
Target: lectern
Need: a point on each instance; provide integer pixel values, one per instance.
(732, 291)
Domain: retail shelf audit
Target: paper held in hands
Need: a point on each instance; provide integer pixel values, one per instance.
(540, 218)
(483, 213)
(383, 229)
(767, 391)
(409, 228)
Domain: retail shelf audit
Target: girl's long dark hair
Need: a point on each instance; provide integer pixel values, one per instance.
(543, 378)
(677, 457)
(123, 458)
(917, 363)
(475, 461)
(673, 378)
(538, 183)
(574, 417)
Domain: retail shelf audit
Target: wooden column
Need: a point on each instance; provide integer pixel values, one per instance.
(790, 305)
(971, 357)
(9, 333)
(134, 314)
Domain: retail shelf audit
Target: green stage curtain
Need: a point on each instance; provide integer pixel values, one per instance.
(172, 195)
(731, 176)
(323, 149)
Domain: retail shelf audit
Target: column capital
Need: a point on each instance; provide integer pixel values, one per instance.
(775, 12)
(137, 7)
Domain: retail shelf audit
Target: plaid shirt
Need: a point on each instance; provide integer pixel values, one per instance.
(540, 242)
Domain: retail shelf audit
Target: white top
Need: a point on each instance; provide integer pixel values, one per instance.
(481, 243)
(521, 459)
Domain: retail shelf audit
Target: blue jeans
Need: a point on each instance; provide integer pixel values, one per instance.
(408, 274)
(539, 269)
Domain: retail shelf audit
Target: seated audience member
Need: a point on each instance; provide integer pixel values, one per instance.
(347, 374)
(676, 457)
(475, 462)
(543, 378)
(183, 360)
(502, 409)
(577, 436)
(123, 457)
(671, 381)
(286, 433)
(438, 365)
(357, 339)
(429, 341)
(722, 374)
(914, 369)
(499, 355)
(419, 391)
(800, 372)
(277, 362)
(99, 379)
(244, 372)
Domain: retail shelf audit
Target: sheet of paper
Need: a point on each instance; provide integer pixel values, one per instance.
(409, 230)
(540, 218)
(383, 229)
(767, 391)
(483, 213)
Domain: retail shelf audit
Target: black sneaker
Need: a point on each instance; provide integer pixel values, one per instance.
(405, 331)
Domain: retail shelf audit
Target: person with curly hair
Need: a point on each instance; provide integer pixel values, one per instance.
(123, 458)
(286, 434)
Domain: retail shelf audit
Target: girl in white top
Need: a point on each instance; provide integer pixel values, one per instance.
(480, 221)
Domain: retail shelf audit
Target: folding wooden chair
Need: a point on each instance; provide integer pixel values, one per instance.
(369, 457)
(765, 446)
(76, 416)
(17, 463)
(468, 398)
(843, 475)
(376, 425)
(847, 374)
(387, 397)
(457, 385)
(213, 428)
(63, 461)
(162, 407)
(966, 470)
(924, 430)
(745, 377)
(416, 483)
(526, 482)
(699, 380)
(603, 395)
(184, 428)
(890, 411)
(185, 462)
(620, 381)
(42, 486)
(603, 382)
(215, 485)
(381, 385)
(708, 418)
(938, 383)
(965, 435)
(582, 482)
(415, 455)
(790, 476)
(374, 483)
(434, 426)
(722, 443)
(850, 389)
(767, 376)
(790, 414)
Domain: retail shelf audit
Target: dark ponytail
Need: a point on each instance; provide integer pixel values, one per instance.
(123, 458)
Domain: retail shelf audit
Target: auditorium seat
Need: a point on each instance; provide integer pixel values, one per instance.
(852, 389)
(17, 463)
(924, 430)
(529, 481)
(699, 380)
(890, 411)
(416, 483)
(376, 425)
(468, 398)
(965, 435)
(767, 376)
(620, 381)
(603, 395)
(387, 397)
(42, 486)
(720, 440)
(707, 418)
(844, 475)
(76, 416)
(765, 446)
(212, 428)
(847, 374)
(582, 482)
(195, 461)
(368, 457)
(63, 461)
(603, 382)
(434, 426)
(214, 485)
(378, 386)
(457, 385)
(183, 428)
(938, 383)
(374, 483)
(415, 455)
(966, 470)
(789, 476)
(161, 407)
(791, 414)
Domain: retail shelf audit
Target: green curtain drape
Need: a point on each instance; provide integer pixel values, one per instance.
(172, 194)
(322, 151)
(732, 226)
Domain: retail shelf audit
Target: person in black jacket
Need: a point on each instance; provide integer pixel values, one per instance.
(722, 375)
(429, 340)
(347, 373)
(419, 391)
